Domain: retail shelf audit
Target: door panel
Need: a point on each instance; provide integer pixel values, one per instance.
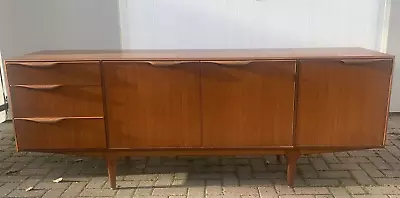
(248, 105)
(343, 103)
(152, 107)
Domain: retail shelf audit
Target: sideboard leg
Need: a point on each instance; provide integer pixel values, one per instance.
(291, 157)
(111, 164)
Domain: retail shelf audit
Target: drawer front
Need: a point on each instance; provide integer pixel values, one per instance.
(56, 101)
(60, 133)
(42, 73)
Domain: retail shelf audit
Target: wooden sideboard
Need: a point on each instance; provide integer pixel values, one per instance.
(200, 102)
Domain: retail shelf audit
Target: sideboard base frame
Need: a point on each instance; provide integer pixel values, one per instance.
(291, 156)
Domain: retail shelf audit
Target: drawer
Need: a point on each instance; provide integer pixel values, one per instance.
(59, 133)
(41, 73)
(56, 101)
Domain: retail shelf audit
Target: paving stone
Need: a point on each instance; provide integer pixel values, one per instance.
(6, 188)
(277, 167)
(123, 193)
(311, 190)
(380, 163)
(395, 166)
(205, 176)
(351, 160)
(74, 189)
(270, 175)
(23, 193)
(144, 188)
(269, 192)
(28, 183)
(258, 164)
(170, 191)
(148, 177)
(388, 157)
(37, 162)
(322, 182)
(334, 174)
(52, 185)
(296, 196)
(362, 177)
(345, 166)
(253, 191)
(393, 150)
(97, 192)
(339, 192)
(34, 171)
(369, 196)
(307, 171)
(382, 190)
(255, 182)
(387, 181)
(371, 170)
(357, 190)
(196, 191)
(230, 180)
(391, 173)
(284, 190)
(20, 159)
(97, 182)
(214, 187)
(364, 153)
(319, 164)
(244, 172)
(330, 158)
(53, 193)
(342, 154)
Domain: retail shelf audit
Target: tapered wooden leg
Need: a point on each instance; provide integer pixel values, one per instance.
(111, 164)
(291, 158)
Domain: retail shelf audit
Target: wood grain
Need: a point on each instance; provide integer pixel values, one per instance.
(150, 107)
(200, 54)
(343, 104)
(61, 101)
(78, 133)
(42, 73)
(248, 106)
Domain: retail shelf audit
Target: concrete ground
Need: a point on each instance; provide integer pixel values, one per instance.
(367, 173)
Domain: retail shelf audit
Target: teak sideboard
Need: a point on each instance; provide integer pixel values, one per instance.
(200, 102)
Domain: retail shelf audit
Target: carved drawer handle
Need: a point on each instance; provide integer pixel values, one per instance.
(167, 63)
(360, 61)
(229, 63)
(37, 64)
(54, 120)
(43, 120)
(39, 87)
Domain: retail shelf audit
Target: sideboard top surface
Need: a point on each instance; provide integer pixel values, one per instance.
(206, 54)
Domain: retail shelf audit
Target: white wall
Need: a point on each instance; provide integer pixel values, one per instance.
(27, 25)
(182, 24)
(33, 25)
(393, 47)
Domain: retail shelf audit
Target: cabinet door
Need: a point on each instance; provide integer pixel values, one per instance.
(152, 106)
(248, 105)
(343, 103)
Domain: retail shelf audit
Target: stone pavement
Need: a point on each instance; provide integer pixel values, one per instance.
(368, 173)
